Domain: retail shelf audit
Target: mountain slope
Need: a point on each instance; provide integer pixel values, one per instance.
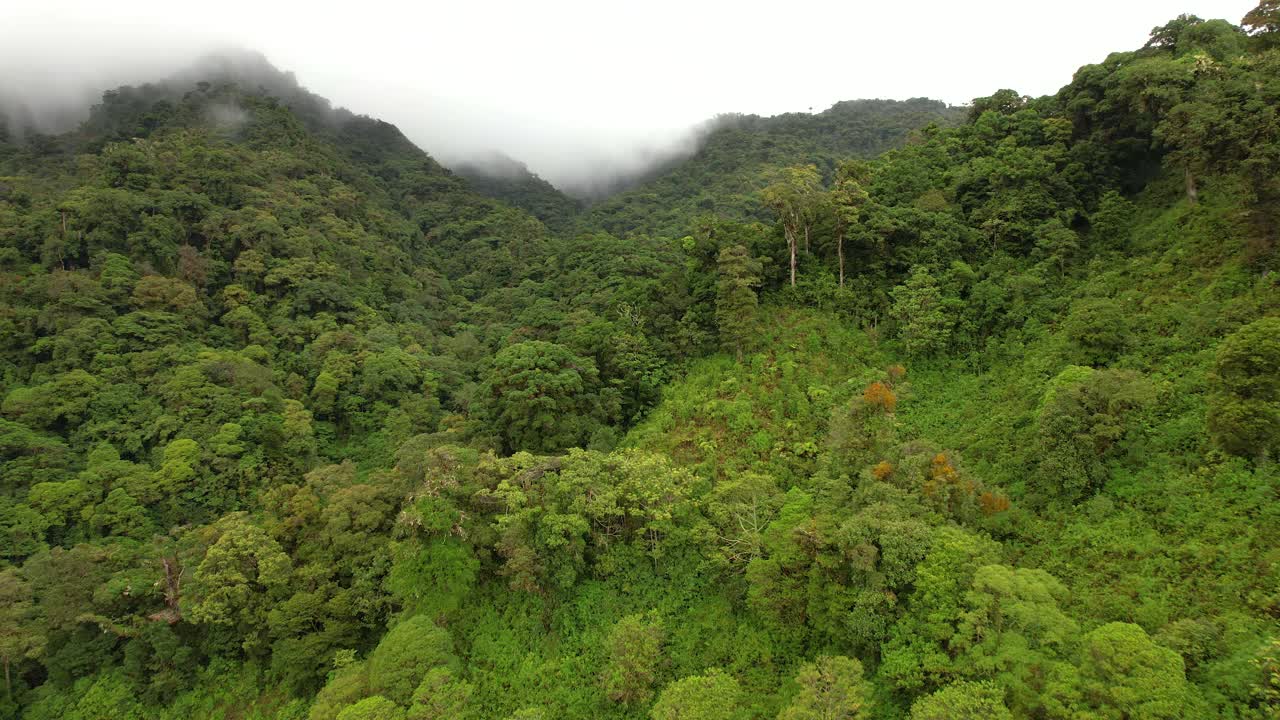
(734, 161)
(208, 292)
(503, 178)
(293, 424)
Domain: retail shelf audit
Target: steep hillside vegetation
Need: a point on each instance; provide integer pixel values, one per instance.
(294, 424)
(739, 155)
(208, 294)
(504, 178)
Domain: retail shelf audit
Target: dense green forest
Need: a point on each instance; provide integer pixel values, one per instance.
(740, 154)
(296, 423)
(504, 178)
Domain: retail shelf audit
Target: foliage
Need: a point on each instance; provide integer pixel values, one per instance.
(713, 696)
(962, 701)
(921, 315)
(635, 651)
(295, 424)
(542, 397)
(405, 655)
(736, 155)
(831, 688)
(1244, 412)
(735, 297)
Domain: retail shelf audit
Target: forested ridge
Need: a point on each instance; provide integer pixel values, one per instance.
(891, 411)
(738, 155)
(504, 178)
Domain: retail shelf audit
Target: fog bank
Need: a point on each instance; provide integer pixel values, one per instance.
(581, 92)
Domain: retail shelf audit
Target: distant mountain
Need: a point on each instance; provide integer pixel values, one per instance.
(737, 155)
(504, 178)
(727, 161)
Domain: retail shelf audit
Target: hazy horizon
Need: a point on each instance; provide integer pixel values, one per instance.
(574, 90)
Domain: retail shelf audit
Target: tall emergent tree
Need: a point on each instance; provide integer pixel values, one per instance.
(735, 296)
(849, 198)
(794, 197)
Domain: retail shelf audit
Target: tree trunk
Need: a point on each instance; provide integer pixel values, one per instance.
(840, 252)
(173, 592)
(806, 238)
(1193, 193)
(791, 246)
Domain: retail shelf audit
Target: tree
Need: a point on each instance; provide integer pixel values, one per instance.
(921, 314)
(794, 197)
(1126, 676)
(435, 577)
(741, 507)
(19, 636)
(1248, 428)
(120, 515)
(1244, 408)
(1248, 361)
(831, 688)
(1266, 688)
(1004, 102)
(242, 576)
(59, 403)
(1167, 35)
(917, 653)
(1014, 632)
(963, 701)
(1083, 423)
(177, 481)
(1099, 329)
(1112, 222)
(441, 696)
(735, 297)
(372, 708)
(347, 684)
(777, 579)
(159, 662)
(541, 397)
(635, 653)
(713, 696)
(405, 655)
(849, 197)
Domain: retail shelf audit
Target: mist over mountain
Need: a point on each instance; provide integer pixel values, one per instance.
(503, 177)
(592, 98)
(592, 173)
(73, 107)
(737, 155)
(585, 172)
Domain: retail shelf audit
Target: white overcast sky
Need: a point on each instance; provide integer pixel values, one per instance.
(566, 84)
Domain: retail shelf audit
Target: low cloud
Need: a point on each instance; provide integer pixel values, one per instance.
(583, 93)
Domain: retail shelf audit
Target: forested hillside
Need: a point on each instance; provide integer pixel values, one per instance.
(740, 154)
(295, 424)
(504, 178)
